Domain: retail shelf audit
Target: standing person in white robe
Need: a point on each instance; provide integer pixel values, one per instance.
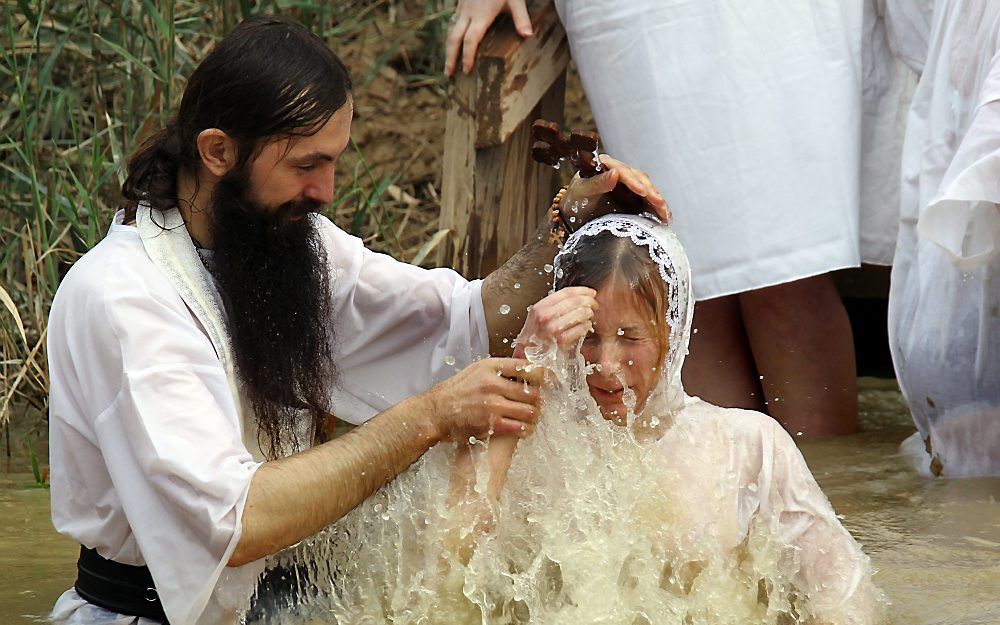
(758, 113)
(197, 351)
(944, 305)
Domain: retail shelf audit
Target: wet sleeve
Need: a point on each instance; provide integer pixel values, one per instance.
(963, 218)
(834, 578)
(398, 328)
(172, 444)
(908, 26)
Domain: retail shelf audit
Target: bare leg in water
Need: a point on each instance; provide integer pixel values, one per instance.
(720, 367)
(798, 337)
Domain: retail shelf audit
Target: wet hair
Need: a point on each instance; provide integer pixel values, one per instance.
(603, 260)
(268, 79)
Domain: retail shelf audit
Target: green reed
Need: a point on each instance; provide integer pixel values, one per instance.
(82, 82)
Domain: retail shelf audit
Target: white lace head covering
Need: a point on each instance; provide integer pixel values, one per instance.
(660, 242)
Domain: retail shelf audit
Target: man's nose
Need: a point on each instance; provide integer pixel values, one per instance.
(320, 188)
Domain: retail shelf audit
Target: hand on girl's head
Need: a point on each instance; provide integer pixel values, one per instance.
(592, 189)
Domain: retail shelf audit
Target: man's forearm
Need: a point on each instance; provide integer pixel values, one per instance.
(293, 498)
(519, 283)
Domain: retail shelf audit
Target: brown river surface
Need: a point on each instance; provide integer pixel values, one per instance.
(935, 543)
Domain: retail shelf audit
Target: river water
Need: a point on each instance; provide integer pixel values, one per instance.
(935, 543)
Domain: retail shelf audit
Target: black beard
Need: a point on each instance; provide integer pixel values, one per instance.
(275, 282)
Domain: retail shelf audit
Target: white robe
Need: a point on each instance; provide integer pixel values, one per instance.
(151, 462)
(773, 128)
(944, 322)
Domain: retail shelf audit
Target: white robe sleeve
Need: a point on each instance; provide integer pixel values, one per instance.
(963, 218)
(399, 329)
(908, 25)
(834, 576)
(167, 473)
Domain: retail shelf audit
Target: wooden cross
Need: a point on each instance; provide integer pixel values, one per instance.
(552, 147)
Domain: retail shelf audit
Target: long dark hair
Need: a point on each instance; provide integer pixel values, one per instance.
(269, 78)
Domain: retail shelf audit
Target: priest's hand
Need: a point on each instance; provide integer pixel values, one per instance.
(562, 318)
(469, 24)
(585, 197)
(492, 396)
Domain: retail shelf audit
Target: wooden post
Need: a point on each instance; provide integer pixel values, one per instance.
(493, 194)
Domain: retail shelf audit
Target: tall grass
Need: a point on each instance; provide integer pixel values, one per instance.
(83, 81)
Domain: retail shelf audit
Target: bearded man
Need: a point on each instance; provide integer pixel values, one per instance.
(197, 352)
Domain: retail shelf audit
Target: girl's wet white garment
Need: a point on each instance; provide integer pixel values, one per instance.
(151, 460)
(943, 308)
(773, 128)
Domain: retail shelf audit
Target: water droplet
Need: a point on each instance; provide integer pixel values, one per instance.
(449, 360)
(517, 285)
(505, 341)
(472, 441)
(621, 332)
(572, 220)
(695, 331)
(548, 268)
(631, 362)
(504, 309)
(799, 433)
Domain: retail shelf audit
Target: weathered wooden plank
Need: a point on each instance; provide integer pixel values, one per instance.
(514, 74)
(494, 194)
(458, 181)
(520, 220)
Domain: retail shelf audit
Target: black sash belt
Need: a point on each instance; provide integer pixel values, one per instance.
(118, 587)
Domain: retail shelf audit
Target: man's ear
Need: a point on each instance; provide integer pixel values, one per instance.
(217, 151)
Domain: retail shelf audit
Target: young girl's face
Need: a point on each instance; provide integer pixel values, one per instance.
(626, 343)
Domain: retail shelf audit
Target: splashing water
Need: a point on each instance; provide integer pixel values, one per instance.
(596, 524)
